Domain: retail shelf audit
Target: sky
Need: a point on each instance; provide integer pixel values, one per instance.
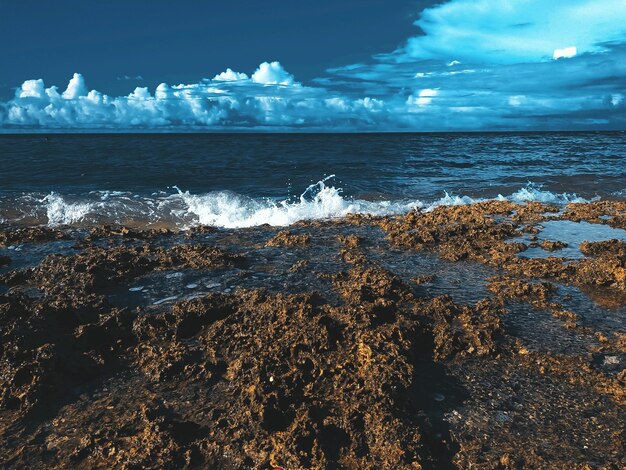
(329, 65)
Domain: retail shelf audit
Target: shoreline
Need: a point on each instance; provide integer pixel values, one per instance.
(438, 339)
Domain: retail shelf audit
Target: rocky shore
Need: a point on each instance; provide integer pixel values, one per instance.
(462, 337)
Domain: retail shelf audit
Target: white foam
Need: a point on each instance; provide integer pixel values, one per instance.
(317, 202)
(166, 299)
(451, 200)
(227, 209)
(533, 193)
(61, 212)
(320, 201)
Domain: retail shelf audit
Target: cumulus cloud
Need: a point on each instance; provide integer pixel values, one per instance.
(269, 98)
(31, 89)
(272, 74)
(230, 76)
(75, 88)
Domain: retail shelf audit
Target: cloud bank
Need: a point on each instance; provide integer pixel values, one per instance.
(269, 98)
(477, 64)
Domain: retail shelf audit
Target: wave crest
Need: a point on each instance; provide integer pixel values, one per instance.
(318, 201)
(61, 212)
(226, 209)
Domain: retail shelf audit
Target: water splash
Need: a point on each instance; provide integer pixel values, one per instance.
(317, 202)
(533, 193)
(59, 211)
(182, 209)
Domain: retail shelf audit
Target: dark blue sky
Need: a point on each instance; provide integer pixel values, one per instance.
(184, 41)
(328, 65)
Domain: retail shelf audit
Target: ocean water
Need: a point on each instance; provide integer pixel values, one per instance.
(244, 180)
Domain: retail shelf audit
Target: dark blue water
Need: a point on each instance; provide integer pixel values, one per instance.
(227, 177)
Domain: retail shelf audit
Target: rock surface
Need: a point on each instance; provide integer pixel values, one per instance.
(325, 346)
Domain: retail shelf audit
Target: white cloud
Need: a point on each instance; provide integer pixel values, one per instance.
(31, 89)
(423, 98)
(565, 53)
(136, 78)
(507, 81)
(76, 88)
(271, 97)
(490, 31)
(517, 100)
(230, 76)
(272, 74)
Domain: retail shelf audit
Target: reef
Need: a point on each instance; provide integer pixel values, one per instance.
(429, 340)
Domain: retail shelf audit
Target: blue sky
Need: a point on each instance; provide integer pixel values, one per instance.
(392, 65)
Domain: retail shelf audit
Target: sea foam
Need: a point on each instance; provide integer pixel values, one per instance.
(318, 201)
(181, 209)
(533, 193)
(59, 211)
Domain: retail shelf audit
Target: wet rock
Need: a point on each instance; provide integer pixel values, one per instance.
(456, 232)
(31, 235)
(352, 256)
(460, 330)
(371, 284)
(549, 245)
(423, 279)
(199, 257)
(536, 293)
(613, 247)
(299, 265)
(482, 232)
(598, 212)
(369, 372)
(286, 238)
(109, 231)
(350, 241)
(201, 230)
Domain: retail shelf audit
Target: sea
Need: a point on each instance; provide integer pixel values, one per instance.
(244, 180)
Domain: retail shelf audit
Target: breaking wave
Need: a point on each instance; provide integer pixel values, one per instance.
(534, 193)
(181, 209)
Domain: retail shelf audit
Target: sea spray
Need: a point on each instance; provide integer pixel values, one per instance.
(533, 193)
(317, 202)
(227, 209)
(59, 211)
